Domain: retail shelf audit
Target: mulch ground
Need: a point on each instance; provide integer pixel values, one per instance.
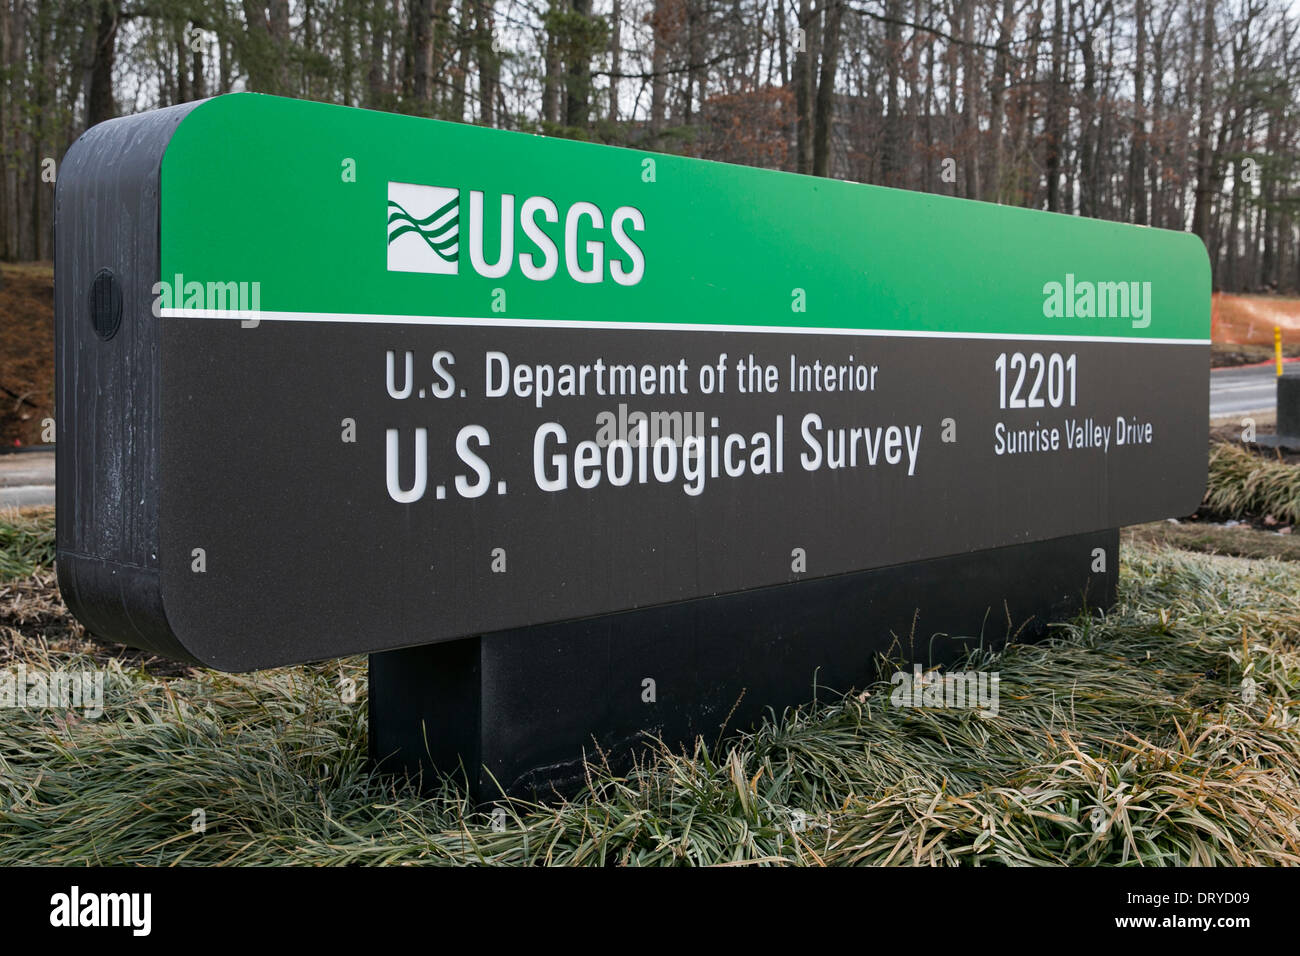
(26, 351)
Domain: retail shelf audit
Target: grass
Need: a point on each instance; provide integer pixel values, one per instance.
(26, 541)
(1127, 740)
(1243, 484)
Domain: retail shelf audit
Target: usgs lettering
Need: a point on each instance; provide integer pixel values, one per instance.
(428, 239)
(545, 387)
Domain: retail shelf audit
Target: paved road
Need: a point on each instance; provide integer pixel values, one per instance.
(1239, 391)
(27, 479)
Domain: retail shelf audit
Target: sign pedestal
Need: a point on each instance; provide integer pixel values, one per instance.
(515, 711)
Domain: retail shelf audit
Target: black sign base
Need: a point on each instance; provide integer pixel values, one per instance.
(1287, 437)
(515, 711)
(1284, 443)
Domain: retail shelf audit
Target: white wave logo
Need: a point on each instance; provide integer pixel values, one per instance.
(423, 229)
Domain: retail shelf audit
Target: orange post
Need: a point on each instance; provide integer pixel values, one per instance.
(1277, 347)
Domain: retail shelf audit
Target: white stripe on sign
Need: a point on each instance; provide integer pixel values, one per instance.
(369, 319)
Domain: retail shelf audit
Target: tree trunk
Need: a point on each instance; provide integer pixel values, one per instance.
(804, 64)
(1204, 154)
(1054, 132)
(99, 94)
(551, 82)
(1137, 149)
(488, 63)
(824, 119)
(421, 57)
(615, 57)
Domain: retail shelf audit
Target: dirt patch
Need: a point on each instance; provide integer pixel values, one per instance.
(34, 622)
(1230, 355)
(1264, 524)
(1231, 430)
(1242, 541)
(26, 351)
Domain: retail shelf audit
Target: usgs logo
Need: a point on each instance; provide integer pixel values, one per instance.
(424, 235)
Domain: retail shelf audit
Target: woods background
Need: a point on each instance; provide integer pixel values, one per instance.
(1174, 114)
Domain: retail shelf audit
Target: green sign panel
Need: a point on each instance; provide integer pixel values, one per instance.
(352, 215)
